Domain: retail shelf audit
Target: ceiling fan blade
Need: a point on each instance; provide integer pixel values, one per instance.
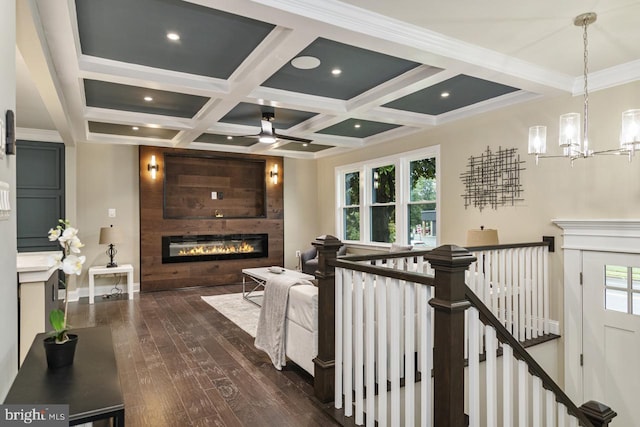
(292, 138)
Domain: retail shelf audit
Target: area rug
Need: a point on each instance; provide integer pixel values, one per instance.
(243, 313)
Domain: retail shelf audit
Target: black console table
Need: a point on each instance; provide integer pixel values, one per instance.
(91, 386)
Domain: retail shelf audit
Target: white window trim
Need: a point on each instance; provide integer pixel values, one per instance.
(401, 162)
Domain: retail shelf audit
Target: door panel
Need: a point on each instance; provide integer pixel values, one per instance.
(611, 336)
(40, 193)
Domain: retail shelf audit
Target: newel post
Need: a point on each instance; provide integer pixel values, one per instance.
(324, 363)
(450, 263)
(598, 413)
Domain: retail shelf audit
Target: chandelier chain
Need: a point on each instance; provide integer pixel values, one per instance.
(585, 122)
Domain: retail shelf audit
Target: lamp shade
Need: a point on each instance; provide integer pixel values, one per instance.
(482, 237)
(110, 235)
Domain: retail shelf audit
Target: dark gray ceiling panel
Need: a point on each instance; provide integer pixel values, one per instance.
(212, 43)
(309, 148)
(237, 141)
(349, 128)
(463, 91)
(251, 114)
(126, 130)
(115, 96)
(361, 70)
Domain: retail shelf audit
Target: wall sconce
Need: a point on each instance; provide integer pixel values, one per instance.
(274, 174)
(153, 167)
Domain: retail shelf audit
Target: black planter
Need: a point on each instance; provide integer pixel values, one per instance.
(59, 355)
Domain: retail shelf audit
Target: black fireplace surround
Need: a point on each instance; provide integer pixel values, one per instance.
(193, 248)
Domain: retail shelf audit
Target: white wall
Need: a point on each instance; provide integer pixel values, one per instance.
(301, 223)
(8, 245)
(107, 178)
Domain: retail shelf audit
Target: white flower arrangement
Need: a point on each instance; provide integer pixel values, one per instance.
(70, 262)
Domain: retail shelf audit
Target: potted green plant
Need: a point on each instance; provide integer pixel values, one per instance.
(60, 346)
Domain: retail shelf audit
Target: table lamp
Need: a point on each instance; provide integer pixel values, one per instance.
(482, 237)
(110, 236)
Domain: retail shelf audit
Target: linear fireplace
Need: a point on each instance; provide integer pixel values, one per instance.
(191, 248)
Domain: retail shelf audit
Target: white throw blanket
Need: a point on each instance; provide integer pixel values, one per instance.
(271, 334)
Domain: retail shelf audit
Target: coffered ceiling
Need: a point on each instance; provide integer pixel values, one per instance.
(371, 71)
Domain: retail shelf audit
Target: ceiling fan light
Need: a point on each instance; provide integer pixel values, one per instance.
(630, 133)
(267, 139)
(537, 139)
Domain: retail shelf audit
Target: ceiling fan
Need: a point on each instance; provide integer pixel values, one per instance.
(268, 134)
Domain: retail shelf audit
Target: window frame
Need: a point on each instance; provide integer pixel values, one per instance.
(402, 202)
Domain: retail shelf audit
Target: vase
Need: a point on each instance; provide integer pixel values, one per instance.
(59, 355)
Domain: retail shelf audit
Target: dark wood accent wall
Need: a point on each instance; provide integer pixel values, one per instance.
(189, 181)
(154, 274)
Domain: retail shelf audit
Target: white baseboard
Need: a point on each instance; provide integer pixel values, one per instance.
(100, 290)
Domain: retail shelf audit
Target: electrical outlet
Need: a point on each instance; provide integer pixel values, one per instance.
(297, 254)
(112, 213)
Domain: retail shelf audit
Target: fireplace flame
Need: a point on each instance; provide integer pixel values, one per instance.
(240, 248)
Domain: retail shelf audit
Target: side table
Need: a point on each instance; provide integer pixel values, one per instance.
(121, 269)
(91, 386)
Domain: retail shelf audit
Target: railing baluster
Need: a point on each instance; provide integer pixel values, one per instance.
(491, 377)
(536, 405)
(474, 367)
(523, 417)
(503, 287)
(339, 372)
(521, 295)
(394, 351)
(550, 410)
(527, 293)
(359, 347)
(562, 415)
(370, 347)
(381, 361)
(545, 288)
(409, 351)
(507, 385)
(534, 292)
(348, 344)
(509, 286)
(426, 359)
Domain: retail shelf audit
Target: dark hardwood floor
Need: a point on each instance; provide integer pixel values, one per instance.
(181, 363)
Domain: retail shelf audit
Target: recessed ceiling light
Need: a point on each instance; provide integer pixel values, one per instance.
(444, 95)
(135, 128)
(305, 62)
(174, 37)
(336, 71)
(357, 126)
(148, 98)
(305, 144)
(229, 137)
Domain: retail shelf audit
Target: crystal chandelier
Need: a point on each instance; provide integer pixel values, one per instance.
(573, 146)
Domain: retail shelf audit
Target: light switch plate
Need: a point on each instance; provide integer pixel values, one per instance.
(112, 213)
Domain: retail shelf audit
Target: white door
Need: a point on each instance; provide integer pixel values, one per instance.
(611, 328)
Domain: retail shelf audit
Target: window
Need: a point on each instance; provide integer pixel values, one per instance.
(351, 210)
(390, 200)
(622, 289)
(383, 204)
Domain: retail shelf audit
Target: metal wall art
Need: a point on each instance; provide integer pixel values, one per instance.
(493, 179)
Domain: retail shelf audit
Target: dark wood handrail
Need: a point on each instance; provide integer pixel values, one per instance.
(508, 246)
(487, 317)
(385, 255)
(408, 276)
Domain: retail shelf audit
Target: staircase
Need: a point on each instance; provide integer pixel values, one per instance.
(390, 322)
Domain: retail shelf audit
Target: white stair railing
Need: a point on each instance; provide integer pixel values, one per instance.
(379, 320)
(514, 283)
